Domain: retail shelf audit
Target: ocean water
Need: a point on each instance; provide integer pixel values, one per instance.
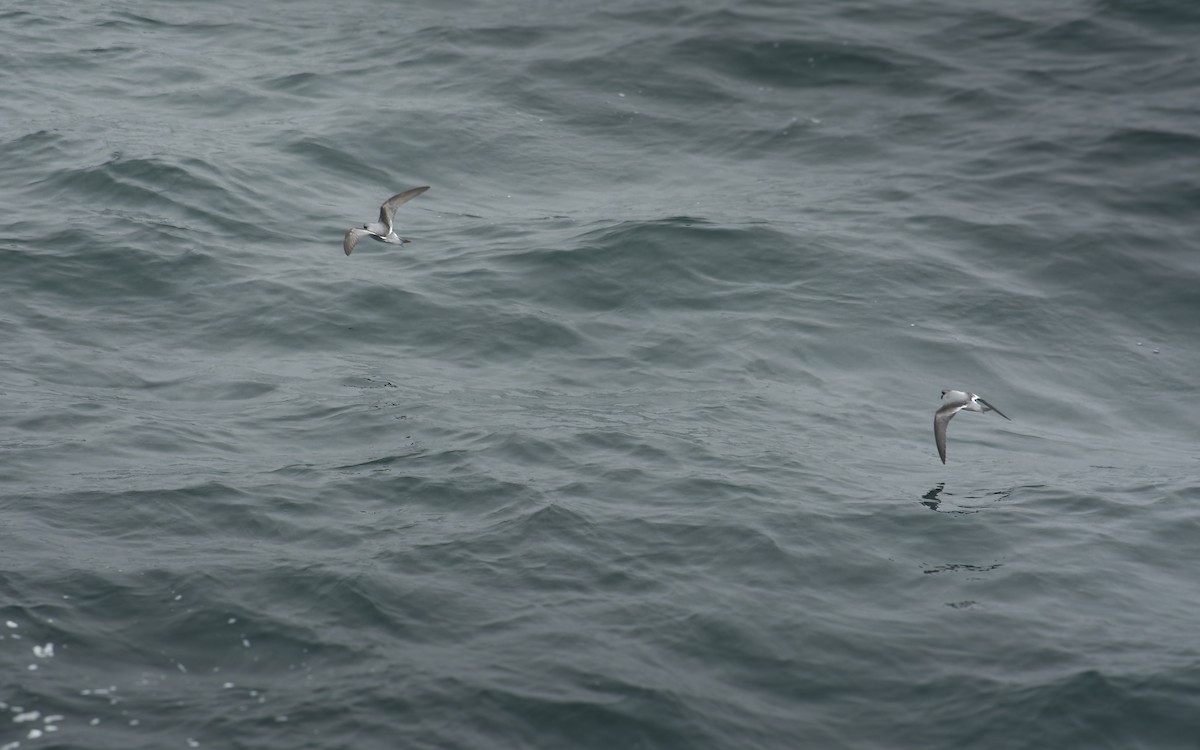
(631, 446)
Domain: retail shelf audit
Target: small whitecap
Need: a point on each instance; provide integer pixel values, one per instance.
(134, 722)
(281, 718)
(246, 642)
(10, 623)
(10, 746)
(94, 722)
(227, 685)
(44, 652)
(192, 743)
(232, 620)
(27, 716)
(51, 727)
(34, 734)
(32, 667)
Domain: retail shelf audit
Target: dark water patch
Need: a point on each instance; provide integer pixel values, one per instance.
(810, 64)
(181, 21)
(115, 277)
(134, 20)
(629, 266)
(202, 390)
(1170, 16)
(981, 25)
(412, 482)
(298, 84)
(137, 518)
(68, 418)
(113, 52)
(484, 328)
(1092, 35)
(1139, 146)
(322, 153)
(181, 190)
(1102, 709)
(24, 153)
(508, 37)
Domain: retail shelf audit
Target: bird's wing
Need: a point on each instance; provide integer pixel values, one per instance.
(352, 238)
(985, 403)
(941, 418)
(387, 211)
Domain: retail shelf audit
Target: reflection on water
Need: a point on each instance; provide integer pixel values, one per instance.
(934, 501)
(930, 499)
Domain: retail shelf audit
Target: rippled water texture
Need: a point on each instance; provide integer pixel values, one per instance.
(631, 447)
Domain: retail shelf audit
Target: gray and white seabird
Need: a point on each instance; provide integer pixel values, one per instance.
(384, 230)
(956, 401)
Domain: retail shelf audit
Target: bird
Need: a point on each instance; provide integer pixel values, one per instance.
(956, 401)
(384, 230)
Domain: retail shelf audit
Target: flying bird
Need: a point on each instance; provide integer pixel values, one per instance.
(383, 230)
(956, 401)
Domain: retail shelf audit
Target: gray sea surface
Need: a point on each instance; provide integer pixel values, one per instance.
(632, 446)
